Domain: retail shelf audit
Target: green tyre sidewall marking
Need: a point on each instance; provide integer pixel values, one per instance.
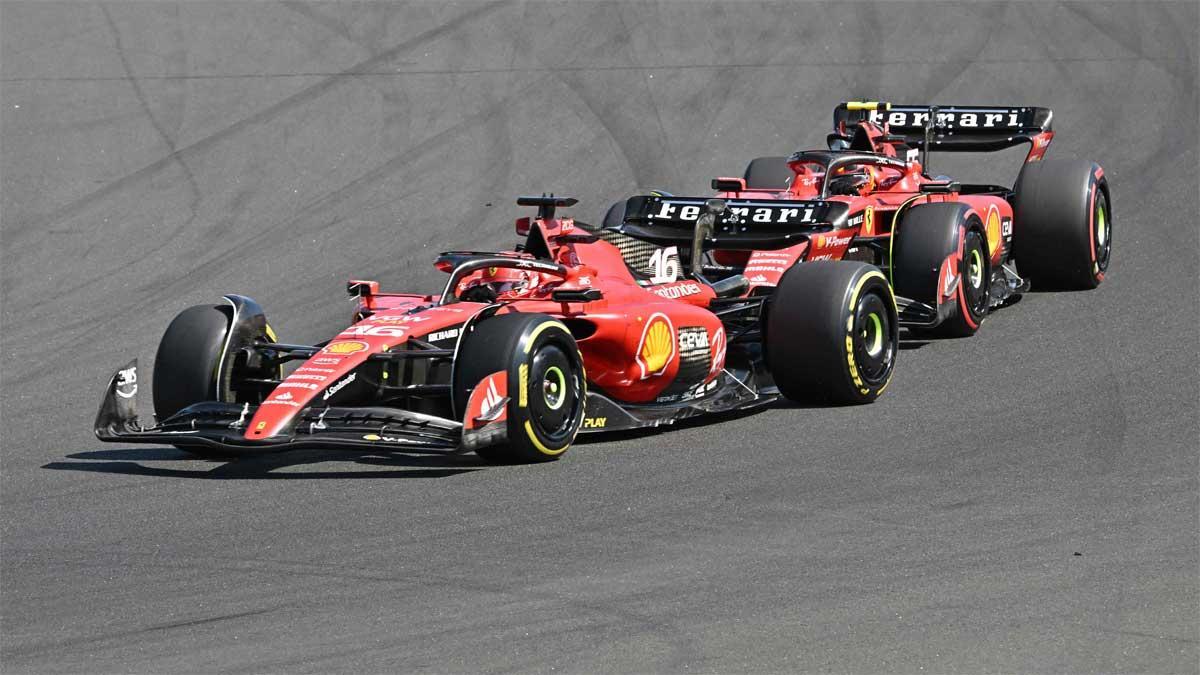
(876, 334)
(557, 390)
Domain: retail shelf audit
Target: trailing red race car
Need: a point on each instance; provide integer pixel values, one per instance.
(948, 248)
(523, 349)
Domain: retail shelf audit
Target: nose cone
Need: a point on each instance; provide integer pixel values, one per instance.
(310, 384)
(329, 371)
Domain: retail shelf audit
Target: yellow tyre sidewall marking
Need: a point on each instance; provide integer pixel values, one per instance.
(538, 444)
(523, 385)
(538, 331)
(523, 397)
(854, 373)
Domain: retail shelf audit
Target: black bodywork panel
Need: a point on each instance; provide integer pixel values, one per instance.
(744, 224)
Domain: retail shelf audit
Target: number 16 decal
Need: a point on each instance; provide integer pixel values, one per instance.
(665, 263)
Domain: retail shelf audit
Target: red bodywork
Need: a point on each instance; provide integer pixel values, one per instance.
(891, 182)
(872, 212)
(629, 339)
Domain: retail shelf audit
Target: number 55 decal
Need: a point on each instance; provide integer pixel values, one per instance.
(665, 263)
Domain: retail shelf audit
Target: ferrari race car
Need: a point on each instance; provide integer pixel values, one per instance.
(948, 248)
(523, 349)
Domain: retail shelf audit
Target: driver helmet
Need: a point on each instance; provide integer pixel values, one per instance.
(852, 181)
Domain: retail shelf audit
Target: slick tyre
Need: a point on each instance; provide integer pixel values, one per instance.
(186, 364)
(832, 333)
(930, 236)
(547, 387)
(768, 173)
(197, 361)
(188, 357)
(614, 216)
(1062, 224)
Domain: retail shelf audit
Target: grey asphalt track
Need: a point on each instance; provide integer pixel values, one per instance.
(1026, 500)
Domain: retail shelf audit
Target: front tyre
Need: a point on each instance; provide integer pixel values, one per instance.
(188, 360)
(1062, 224)
(198, 360)
(832, 333)
(546, 383)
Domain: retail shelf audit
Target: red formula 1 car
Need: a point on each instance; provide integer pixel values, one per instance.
(524, 349)
(948, 248)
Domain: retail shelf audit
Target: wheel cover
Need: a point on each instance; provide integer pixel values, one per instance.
(873, 334)
(557, 388)
(1103, 232)
(554, 387)
(975, 268)
(874, 341)
(975, 274)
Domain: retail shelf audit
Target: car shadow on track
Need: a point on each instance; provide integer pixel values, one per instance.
(273, 466)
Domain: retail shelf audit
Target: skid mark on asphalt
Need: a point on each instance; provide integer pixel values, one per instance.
(74, 644)
(300, 98)
(501, 600)
(140, 95)
(664, 140)
(222, 259)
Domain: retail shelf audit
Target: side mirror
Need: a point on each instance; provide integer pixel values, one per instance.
(729, 184)
(941, 188)
(361, 289)
(523, 226)
(838, 142)
(586, 295)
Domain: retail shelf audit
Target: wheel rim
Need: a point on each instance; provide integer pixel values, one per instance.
(873, 334)
(874, 339)
(554, 410)
(554, 387)
(975, 274)
(975, 268)
(1103, 232)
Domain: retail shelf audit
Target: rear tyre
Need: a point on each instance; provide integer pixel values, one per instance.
(1062, 224)
(614, 216)
(832, 333)
(769, 173)
(546, 383)
(926, 237)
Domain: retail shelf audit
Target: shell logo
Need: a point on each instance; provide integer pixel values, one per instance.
(346, 347)
(993, 230)
(657, 346)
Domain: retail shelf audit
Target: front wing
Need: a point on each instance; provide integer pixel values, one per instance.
(217, 426)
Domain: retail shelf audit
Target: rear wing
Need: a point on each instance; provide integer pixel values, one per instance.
(738, 223)
(953, 128)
